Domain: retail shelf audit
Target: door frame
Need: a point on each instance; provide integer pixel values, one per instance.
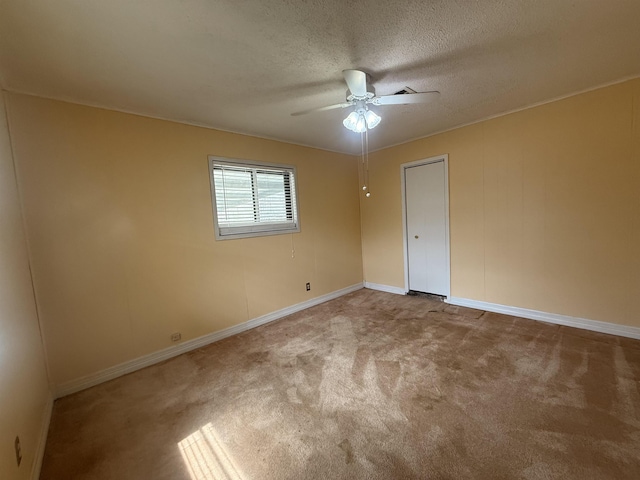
(405, 238)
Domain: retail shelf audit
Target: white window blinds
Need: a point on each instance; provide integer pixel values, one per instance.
(253, 198)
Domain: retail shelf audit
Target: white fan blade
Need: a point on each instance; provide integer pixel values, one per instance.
(321, 109)
(356, 81)
(406, 98)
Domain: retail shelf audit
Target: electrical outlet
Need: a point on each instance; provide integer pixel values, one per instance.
(18, 451)
(176, 337)
(308, 287)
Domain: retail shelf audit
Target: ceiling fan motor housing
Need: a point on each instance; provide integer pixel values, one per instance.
(371, 92)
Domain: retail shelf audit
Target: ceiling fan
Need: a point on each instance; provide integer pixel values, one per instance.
(361, 94)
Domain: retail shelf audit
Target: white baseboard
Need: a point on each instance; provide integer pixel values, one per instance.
(584, 323)
(36, 467)
(82, 383)
(385, 288)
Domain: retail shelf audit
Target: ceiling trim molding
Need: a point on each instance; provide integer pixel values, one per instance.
(172, 120)
(274, 139)
(509, 112)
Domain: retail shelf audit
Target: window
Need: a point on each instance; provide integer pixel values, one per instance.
(252, 198)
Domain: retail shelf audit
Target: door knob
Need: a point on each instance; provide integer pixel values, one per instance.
(416, 236)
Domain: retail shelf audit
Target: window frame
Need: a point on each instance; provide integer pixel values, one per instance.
(256, 230)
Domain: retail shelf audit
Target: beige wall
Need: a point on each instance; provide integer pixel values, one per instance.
(545, 214)
(544, 207)
(119, 220)
(24, 389)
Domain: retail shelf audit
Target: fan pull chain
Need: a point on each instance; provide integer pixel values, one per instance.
(361, 167)
(366, 166)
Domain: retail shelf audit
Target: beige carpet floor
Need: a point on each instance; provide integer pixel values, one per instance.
(368, 386)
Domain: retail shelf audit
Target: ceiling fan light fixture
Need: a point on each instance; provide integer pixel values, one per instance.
(360, 121)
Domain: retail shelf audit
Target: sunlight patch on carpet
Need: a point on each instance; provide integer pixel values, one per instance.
(206, 458)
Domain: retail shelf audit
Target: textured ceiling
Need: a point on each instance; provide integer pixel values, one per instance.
(245, 65)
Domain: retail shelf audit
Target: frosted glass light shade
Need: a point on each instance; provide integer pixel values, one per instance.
(351, 121)
(372, 119)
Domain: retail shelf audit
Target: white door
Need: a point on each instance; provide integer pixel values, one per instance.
(427, 252)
